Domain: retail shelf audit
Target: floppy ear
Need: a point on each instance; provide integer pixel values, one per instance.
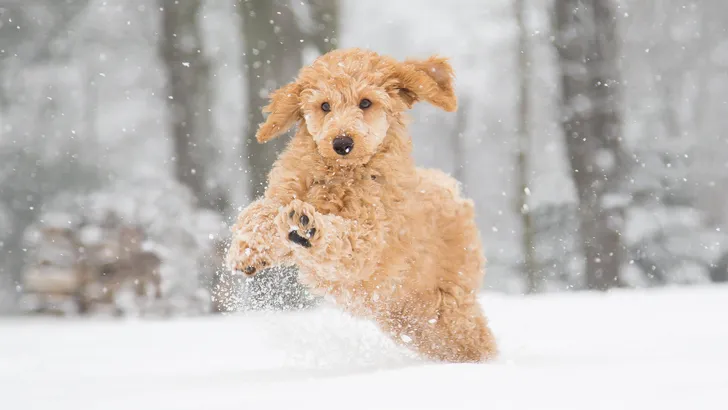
(428, 80)
(284, 110)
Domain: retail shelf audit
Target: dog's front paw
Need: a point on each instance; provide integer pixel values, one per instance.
(247, 257)
(299, 223)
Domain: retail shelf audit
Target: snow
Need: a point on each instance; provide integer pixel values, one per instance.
(626, 349)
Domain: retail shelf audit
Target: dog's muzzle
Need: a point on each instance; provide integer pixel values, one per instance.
(343, 145)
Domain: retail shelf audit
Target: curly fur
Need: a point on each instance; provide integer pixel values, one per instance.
(383, 238)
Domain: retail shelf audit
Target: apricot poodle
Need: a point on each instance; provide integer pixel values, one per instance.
(384, 239)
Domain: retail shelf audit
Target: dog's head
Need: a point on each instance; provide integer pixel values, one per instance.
(348, 99)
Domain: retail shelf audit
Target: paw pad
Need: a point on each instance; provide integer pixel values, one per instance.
(248, 261)
(294, 237)
(300, 222)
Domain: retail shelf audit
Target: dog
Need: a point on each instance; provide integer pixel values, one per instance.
(382, 238)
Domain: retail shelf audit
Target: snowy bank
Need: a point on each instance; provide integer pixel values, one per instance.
(622, 350)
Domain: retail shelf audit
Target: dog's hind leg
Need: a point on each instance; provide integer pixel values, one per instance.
(445, 325)
(460, 333)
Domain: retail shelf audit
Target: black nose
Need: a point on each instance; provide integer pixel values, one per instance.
(343, 145)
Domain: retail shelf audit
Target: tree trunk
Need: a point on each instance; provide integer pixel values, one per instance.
(12, 261)
(719, 270)
(325, 15)
(25, 42)
(273, 56)
(188, 99)
(524, 142)
(457, 145)
(586, 41)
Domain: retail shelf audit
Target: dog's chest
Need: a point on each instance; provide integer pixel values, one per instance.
(348, 196)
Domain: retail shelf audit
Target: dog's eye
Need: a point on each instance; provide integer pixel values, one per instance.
(326, 107)
(364, 104)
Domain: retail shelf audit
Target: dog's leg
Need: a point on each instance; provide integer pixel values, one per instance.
(456, 329)
(324, 244)
(255, 240)
(446, 325)
(459, 333)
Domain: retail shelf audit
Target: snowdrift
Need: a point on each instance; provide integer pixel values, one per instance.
(621, 350)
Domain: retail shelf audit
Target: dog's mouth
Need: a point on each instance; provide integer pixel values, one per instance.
(348, 161)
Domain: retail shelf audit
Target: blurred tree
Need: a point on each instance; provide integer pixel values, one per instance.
(523, 147)
(274, 42)
(671, 46)
(587, 45)
(325, 16)
(28, 30)
(39, 151)
(273, 56)
(457, 139)
(28, 181)
(719, 270)
(188, 99)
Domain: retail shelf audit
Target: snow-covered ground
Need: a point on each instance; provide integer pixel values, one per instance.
(661, 349)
